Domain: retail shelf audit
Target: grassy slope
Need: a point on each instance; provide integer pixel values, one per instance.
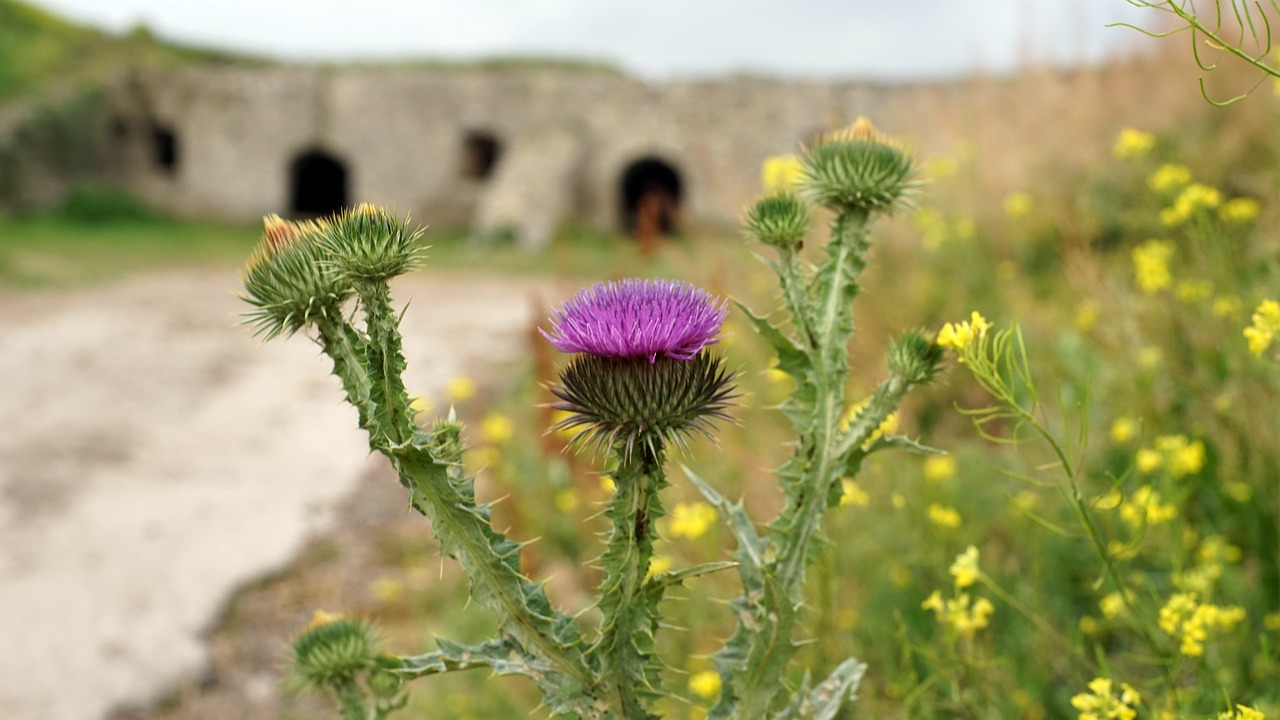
(39, 50)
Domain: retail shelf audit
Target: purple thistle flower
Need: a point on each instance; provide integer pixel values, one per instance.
(635, 318)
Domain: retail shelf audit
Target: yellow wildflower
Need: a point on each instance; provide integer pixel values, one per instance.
(691, 520)
(1108, 501)
(1148, 460)
(939, 467)
(1087, 315)
(1226, 306)
(1089, 625)
(460, 388)
(853, 494)
(1150, 357)
(1151, 266)
(566, 500)
(958, 335)
(1114, 603)
(1242, 712)
(1123, 429)
(1133, 143)
(1145, 508)
(1185, 619)
(1169, 176)
(1192, 199)
(965, 567)
(1266, 325)
(1102, 702)
(781, 173)
(1193, 291)
(964, 615)
(944, 517)
(1240, 210)
(1018, 204)
(940, 167)
(1238, 490)
(496, 428)
(705, 684)
(659, 564)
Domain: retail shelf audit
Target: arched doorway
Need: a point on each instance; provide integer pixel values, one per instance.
(480, 154)
(317, 184)
(651, 194)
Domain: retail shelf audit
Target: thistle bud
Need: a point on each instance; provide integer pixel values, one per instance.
(333, 651)
(642, 378)
(859, 169)
(780, 220)
(914, 358)
(370, 244)
(288, 281)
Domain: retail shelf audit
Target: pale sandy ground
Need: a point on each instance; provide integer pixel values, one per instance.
(154, 457)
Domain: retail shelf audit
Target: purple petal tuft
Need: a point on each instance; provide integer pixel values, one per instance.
(638, 318)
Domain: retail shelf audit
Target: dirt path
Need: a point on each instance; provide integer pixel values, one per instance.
(156, 457)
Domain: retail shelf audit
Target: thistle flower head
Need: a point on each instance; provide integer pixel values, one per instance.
(288, 280)
(643, 378)
(636, 318)
(859, 169)
(369, 243)
(631, 404)
(781, 220)
(332, 649)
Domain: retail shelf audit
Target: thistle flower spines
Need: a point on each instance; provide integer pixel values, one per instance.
(368, 243)
(632, 404)
(638, 318)
(333, 651)
(860, 169)
(780, 220)
(287, 280)
(914, 357)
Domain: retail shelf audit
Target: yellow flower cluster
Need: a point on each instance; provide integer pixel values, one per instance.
(965, 568)
(938, 468)
(963, 614)
(1184, 618)
(1240, 210)
(1123, 430)
(1175, 453)
(1018, 204)
(705, 684)
(781, 173)
(1151, 265)
(1144, 508)
(1192, 199)
(1169, 177)
(1102, 702)
(460, 388)
(1242, 712)
(957, 336)
(496, 428)
(853, 494)
(1133, 144)
(1213, 552)
(1112, 604)
(944, 517)
(1265, 327)
(691, 520)
(1193, 291)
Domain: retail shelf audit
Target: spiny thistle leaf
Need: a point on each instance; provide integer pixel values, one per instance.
(501, 655)
(825, 701)
(632, 403)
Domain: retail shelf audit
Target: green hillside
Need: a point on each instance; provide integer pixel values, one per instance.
(39, 50)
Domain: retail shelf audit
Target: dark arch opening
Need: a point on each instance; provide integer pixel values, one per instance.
(317, 184)
(164, 148)
(480, 154)
(651, 193)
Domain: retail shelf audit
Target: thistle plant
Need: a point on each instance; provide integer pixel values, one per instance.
(642, 381)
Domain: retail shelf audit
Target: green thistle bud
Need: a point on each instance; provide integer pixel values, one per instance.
(915, 358)
(332, 650)
(859, 169)
(632, 402)
(781, 220)
(384, 684)
(370, 244)
(288, 280)
(444, 441)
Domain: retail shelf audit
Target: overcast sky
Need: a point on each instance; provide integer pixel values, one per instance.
(655, 38)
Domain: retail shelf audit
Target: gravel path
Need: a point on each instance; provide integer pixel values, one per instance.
(156, 457)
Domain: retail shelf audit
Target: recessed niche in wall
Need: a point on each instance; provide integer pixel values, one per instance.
(164, 148)
(650, 192)
(317, 184)
(480, 154)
